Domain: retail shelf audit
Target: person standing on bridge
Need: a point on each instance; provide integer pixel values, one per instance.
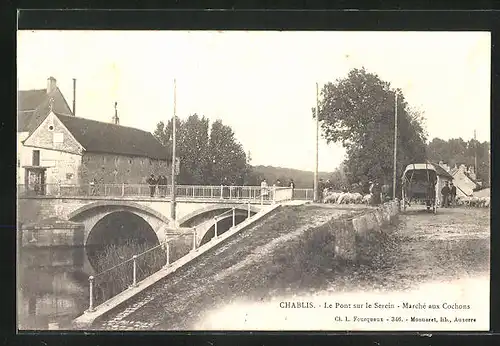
(152, 185)
(292, 186)
(162, 185)
(264, 189)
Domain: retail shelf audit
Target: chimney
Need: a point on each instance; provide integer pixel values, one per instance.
(116, 120)
(74, 96)
(51, 84)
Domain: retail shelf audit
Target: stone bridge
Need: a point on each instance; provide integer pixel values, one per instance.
(153, 214)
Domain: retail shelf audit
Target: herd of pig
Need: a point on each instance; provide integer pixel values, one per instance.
(357, 198)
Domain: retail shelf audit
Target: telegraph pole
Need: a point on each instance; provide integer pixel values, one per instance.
(173, 203)
(316, 192)
(475, 154)
(395, 144)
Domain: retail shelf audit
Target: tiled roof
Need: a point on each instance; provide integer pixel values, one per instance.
(23, 120)
(441, 171)
(33, 107)
(29, 100)
(101, 137)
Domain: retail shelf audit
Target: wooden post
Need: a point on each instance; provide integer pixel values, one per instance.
(316, 192)
(395, 145)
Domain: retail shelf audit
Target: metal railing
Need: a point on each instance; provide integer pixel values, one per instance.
(138, 190)
(127, 274)
(303, 194)
(255, 193)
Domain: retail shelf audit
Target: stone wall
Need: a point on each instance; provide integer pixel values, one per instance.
(349, 229)
(118, 169)
(52, 232)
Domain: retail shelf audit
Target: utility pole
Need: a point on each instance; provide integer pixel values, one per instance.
(173, 202)
(475, 155)
(316, 192)
(395, 145)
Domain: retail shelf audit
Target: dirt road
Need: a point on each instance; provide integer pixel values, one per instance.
(279, 257)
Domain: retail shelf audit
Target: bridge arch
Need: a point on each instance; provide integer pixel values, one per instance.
(206, 231)
(123, 204)
(117, 222)
(204, 214)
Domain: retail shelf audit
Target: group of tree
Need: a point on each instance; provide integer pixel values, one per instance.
(358, 111)
(209, 155)
(457, 151)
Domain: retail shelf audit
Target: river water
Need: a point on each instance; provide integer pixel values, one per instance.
(53, 287)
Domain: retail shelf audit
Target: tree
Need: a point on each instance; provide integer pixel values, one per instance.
(227, 159)
(359, 112)
(193, 150)
(205, 158)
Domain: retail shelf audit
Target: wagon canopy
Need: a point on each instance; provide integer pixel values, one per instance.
(420, 172)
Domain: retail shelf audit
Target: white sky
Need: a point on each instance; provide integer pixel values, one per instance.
(262, 84)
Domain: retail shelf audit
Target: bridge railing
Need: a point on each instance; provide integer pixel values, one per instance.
(255, 193)
(136, 190)
(303, 194)
(129, 273)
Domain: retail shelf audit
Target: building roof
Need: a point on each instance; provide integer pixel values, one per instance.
(33, 107)
(29, 100)
(101, 137)
(441, 171)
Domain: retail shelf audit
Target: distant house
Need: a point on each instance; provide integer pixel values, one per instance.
(74, 150)
(464, 181)
(33, 108)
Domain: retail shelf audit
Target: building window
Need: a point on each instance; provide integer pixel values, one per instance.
(130, 161)
(58, 137)
(104, 159)
(18, 163)
(51, 127)
(69, 176)
(36, 158)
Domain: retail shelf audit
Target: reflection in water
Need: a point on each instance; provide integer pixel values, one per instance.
(53, 286)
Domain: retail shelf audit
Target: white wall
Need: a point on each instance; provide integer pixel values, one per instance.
(24, 156)
(464, 183)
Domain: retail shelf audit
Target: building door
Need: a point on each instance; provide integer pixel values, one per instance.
(36, 158)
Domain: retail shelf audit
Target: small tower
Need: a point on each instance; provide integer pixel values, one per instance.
(116, 120)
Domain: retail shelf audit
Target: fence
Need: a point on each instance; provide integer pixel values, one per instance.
(303, 194)
(127, 274)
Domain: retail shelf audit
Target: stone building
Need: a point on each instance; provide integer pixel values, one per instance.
(75, 151)
(33, 108)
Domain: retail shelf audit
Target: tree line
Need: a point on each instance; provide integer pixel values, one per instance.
(209, 155)
(457, 151)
